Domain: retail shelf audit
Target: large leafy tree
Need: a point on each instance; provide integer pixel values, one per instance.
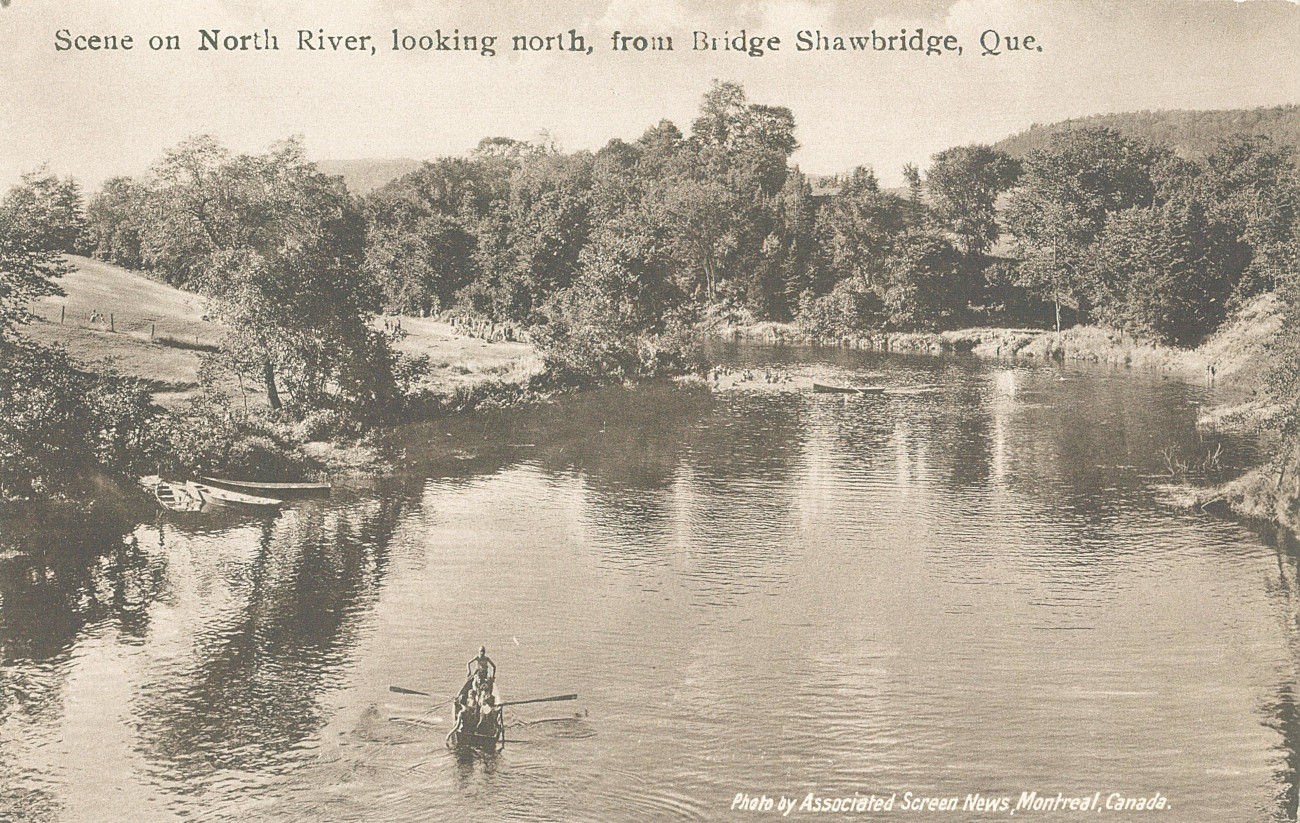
(278, 247)
(48, 211)
(422, 233)
(964, 184)
(1166, 271)
(1251, 185)
(28, 266)
(859, 229)
(116, 219)
(1060, 207)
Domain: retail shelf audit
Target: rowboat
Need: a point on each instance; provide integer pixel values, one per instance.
(172, 496)
(225, 497)
(822, 388)
(281, 489)
(479, 720)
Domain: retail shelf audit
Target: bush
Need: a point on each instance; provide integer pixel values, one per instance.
(210, 437)
(59, 425)
(848, 311)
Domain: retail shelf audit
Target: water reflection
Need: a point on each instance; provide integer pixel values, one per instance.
(58, 584)
(243, 690)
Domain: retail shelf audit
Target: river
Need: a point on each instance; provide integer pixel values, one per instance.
(969, 586)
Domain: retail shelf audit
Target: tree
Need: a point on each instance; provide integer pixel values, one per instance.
(48, 211)
(1061, 205)
(964, 184)
(280, 250)
(1166, 271)
(1252, 185)
(27, 267)
(858, 229)
(116, 219)
(622, 317)
(422, 234)
(923, 273)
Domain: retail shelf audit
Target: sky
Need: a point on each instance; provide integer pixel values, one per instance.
(95, 114)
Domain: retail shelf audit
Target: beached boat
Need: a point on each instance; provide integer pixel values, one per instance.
(174, 497)
(822, 388)
(225, 497)
(280, 489)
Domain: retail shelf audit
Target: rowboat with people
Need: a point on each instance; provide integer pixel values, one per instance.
(478, 719)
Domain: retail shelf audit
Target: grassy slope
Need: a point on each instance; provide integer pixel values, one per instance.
(139, 306)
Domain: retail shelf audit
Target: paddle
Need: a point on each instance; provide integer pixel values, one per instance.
(540, 700)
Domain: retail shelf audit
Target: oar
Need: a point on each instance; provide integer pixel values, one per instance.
(400, 690)
(541, 700)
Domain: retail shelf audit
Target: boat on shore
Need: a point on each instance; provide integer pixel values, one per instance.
(823, 388)
(267, 488)
(226, 497)
(176, 497)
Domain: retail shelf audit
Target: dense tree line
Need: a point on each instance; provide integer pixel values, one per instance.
(613, 258)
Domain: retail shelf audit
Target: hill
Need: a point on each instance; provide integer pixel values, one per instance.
(113, 319)
(1189, 133)
(365, 175)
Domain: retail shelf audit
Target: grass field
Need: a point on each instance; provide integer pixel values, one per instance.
(123, 321)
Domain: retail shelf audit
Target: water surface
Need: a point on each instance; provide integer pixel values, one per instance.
(969, 587)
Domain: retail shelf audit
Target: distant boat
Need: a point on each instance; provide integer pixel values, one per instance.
(271, 488)
(822, 388)
(225, 497)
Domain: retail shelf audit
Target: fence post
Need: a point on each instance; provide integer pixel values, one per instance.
(63, 312)
(111, 325)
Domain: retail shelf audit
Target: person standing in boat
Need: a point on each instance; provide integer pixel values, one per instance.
(482, 672)
(481, 669)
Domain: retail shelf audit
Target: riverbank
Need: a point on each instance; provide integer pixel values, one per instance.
(112, 320)
(1235, 360)
(1237, 346)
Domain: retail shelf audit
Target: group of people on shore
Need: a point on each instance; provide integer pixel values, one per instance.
(467, 325)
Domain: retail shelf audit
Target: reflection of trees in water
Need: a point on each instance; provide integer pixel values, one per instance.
(1283, 713)
(248, 692)
(718, 488)
(1284, 717)
(58, 581)
(1100, 433)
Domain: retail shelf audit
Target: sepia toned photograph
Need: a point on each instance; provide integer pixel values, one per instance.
(649, 410)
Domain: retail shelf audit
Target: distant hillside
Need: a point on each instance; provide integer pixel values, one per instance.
(1189, 133)
(364, 176)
